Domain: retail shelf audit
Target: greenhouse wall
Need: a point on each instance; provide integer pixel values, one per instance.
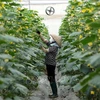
(41, 6)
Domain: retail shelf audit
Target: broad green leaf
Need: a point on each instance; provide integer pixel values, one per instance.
(17, 98)
(95, 81)
(70, 66)
(75, 34)
(14, 4)
(88, 77)
(77, 55)
(95, 24)
(21, 88)
(9, 38)
(8, 99)
(3, 86)
(7, 80)
(74, 79)
(31, 52)
(76, 42)
(35, 83)
(94, 60)
(2, 29)
(17, 73)
(77, 87)
(64, 80)
(19, 65)
(1, 82)
(88, 14)
(5, 56)
(32, 66)
(36, 73)
(85, 69)
(80, 56)
(6, 0)
(88, 39)
(88, 20)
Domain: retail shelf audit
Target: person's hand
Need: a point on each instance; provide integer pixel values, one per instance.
(37, 31)
(44, 50)
(39, 45)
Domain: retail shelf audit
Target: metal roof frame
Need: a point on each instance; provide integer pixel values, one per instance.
(39, 2)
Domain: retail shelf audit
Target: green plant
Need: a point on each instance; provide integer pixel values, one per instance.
(20, 56)
(80, 32)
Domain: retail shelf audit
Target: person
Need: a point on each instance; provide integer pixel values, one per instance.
(50, 60)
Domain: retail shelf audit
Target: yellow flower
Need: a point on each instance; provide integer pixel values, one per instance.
(2, 5)
(17, 31)
(80, 37)
(87, 10)
(72, 15)
(73, 7)
(0, 15)
(26, 27)
(6, 60)
(83, 49)
(99, 50)
(19, 8)
(89, 33)
(80, 46)
(0, 8)
(98, 4)
(80, 3)
(11, 43)
(14, 50)
(87, 28)
(74, 0)
(6, 51)
(33, 15)
(89, 65)
(98, 30)
(92, 9)
(83, 10)
(92, 92)
(90, 44)
(20, 28)
(1, 68)
(81, 24)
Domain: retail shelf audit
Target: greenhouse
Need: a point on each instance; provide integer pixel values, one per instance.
(49, 49)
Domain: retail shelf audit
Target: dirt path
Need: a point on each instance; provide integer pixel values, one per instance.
(64, 92)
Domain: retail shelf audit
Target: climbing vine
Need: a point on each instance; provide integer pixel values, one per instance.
(80, 53)
(20, 62)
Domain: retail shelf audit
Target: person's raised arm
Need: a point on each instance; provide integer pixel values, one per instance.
(42, 38)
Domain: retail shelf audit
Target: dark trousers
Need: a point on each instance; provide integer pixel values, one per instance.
(51, 73)
(51, 78)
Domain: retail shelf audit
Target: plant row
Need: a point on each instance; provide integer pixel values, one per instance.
(79, 57)
(20, 56)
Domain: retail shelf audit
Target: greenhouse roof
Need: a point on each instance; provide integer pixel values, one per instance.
(44, 1)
